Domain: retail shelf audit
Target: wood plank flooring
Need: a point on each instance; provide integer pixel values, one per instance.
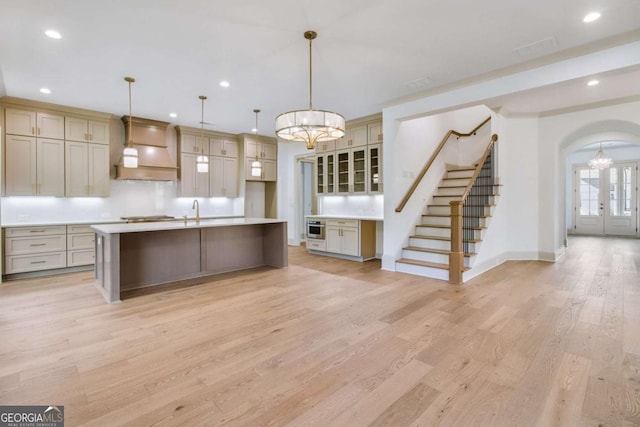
(328, 342)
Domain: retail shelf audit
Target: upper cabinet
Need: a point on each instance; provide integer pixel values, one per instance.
(34, 123)
(352, 164)
(54, 150)
(82, 130)
(221, 151)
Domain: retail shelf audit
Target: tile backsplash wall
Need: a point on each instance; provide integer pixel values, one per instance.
(352, 205)
(127, 198)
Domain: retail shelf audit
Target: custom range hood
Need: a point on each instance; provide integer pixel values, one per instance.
(149, 137)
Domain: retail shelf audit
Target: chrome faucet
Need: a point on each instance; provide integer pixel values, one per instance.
(196, 206)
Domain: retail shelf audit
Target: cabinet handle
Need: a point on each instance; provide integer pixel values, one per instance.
(37, 231)
(33, 131)
(38, 244)
(37, 262)
(38, 131)
(90, 137)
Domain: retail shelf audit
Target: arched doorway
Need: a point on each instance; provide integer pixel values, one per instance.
(604, 202)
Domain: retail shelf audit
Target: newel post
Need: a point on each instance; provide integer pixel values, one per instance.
(456, 257)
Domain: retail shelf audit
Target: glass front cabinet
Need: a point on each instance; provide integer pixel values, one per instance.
(325, 173)
(374, 171)
(352, 170)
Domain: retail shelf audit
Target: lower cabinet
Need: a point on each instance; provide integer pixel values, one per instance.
(28, 249)
(35, 248)
(352, 238)
(80, 245)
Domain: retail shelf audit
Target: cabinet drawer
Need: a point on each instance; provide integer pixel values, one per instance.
(316, 245)
(343, 222)
(25, 263)
(79, 228)
(30, 245)
(35, 231)
(80, 241)
(82, 257)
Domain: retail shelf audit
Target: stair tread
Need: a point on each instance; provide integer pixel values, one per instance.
(448, 226)
(447, 216)
(460, 168)
(427, 264)
(444, 239)
(435, 251)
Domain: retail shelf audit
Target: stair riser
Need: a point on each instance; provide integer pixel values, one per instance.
(437, 244)
(436, 220)
(446, 221)
(425, 256)
(450, 191)
(445, 200)
(460, 174)
(433, 231)
(419, 270)
(446, 210)
(454, 182)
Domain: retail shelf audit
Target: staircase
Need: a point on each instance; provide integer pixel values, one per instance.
(429, 247)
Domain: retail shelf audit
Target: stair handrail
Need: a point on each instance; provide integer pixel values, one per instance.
(456, 255)
(426, 167)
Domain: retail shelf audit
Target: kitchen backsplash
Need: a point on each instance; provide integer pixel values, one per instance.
(127, 198)
(351, 205)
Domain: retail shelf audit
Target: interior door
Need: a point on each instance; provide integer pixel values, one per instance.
(588, 205)
(620, 214)
(606, 201)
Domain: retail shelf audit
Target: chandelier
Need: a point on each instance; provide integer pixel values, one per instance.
(130, 153)
(600, 161)
(310, 126)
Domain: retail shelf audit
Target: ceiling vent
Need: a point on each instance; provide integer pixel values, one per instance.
(537, 48)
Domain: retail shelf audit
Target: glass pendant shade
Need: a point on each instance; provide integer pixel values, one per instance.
(130, 153)
(600, 161)
(256, 168)
(202, 164)
(310, 126)
(130, 157)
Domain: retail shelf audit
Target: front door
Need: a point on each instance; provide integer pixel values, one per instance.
(605, 201)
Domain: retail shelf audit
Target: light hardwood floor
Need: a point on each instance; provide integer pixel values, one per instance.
(328, 342)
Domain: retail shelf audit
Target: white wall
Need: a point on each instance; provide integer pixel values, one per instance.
(127, 198)
(289, 181)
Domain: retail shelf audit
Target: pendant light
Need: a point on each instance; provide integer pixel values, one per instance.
(256, 166)
(600, 161)
(202, 161)
(310, 126)
(130, 153)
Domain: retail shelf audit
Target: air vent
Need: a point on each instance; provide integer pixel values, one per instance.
(537, 48)
(420, 83)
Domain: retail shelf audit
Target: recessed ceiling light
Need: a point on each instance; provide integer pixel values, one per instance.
(53, 34)
(45, 90)
(225, 83)
(590, 17)
(592, 82)
(173, 115)
(254, 130)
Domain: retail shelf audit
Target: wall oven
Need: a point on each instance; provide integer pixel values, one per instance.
(315, 229)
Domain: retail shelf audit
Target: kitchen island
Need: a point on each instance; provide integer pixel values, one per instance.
(138, 255)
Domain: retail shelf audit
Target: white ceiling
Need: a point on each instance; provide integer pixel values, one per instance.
(368, 53)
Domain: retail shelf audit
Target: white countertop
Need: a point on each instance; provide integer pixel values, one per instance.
(70, 222)
(360, 217)
(91, 221)
(180, 225)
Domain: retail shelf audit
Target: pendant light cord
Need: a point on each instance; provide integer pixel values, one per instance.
(202, 97)
(130, 117)
(310, 74)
